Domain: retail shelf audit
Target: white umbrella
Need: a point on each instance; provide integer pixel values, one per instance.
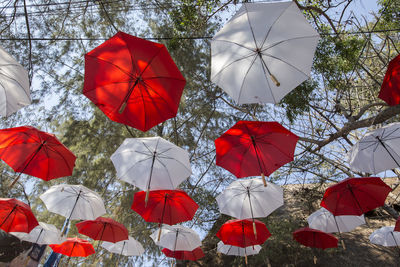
(177, 237)
(377, 151)
(263, 52)
(14, 85)
(237, 251)
(43, 234)
(385, 236)
(325, 221)
(151, 163)
(249, 198)
(75, 202)
(129, 247)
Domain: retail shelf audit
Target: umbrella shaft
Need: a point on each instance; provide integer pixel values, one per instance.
(387, 150)
(8, 216)
(76, 201)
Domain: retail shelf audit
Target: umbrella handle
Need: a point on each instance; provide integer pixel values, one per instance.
(159, 234)
(343, 245)
(146, 199)
(315, 259)
(275, 80)
(263, 179)
(255, 229)
(122, 108)
(245, 259)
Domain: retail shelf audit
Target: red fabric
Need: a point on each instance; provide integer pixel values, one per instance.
(37, 153)
(397, 226)
(240, 233)
(236, 152)
(112, 70)
(176, 205)
(390, 89)
(16, 216)
(193, 255)
(104, 229)
(74, 247)
(355, 196)
(315, 238)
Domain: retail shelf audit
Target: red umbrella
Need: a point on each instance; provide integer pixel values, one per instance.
(315, 238)
(240, 233)
(397, 226)
(40, 154)
(165, 206)
(390, 89)
(104, 229)
(251, 148)
(16, 216)
(193, 255)
(74, 247)
(355, 196)
(133, 81)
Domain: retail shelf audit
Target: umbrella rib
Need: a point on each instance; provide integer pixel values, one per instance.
(273, 24)
(164, 77)
(245, 76)
(122, 70)
(166, 170)
(231, 63)
(231, 42)
(23, 89)
(152, 99)
(265, 70)
(287, 63)
(151, 60)
(287, 40)
(251, 28)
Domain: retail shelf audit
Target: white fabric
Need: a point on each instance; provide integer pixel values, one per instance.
(43, 234)
(133, 161)
(287, 43)
(14, 85)
(129, 247)
(237, 251)
(324, 220)
(385, 236)
(61, 199)
(234, 200)
(369, 155)
(177, 237)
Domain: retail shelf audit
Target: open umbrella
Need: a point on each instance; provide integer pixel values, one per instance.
(355, 196)
(133, 81)
(377, 151)
(151, 163)
(43, 234)
(251, 148)
(192, 255)
(40, 154)
(14, 85)
(177, 237)
(16, 216)
(75, 202)
(385, 236)
(263, 52)
(248, 198)
(237, 251)
(74, 247)
(164, 206)
(390, 89)
(129, 247)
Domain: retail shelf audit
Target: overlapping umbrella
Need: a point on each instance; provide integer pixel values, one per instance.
(385, 236)
(129, 247)
(16, 216)
(390, 88)
(238, 251)
(43, 234)
(177, 238)
(74, 247)
(192, 255)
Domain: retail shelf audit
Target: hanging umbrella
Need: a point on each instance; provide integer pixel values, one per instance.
(377, 151)
(43, 234)
(397, 226)
(177, 237)
(237, 251)
(253, 148)
(74, 247)
(75, 202)
(263, 52)
(165, 207)
(133, 81)
(192, 255)
(129, 247)
(40, 154)
(151, 163)
(355, 196)
(16, 216)
(14, 85)
(248, 198)
(390, 89)
(103, 229)
(385, 236)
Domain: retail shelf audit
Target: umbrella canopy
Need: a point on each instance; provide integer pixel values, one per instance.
(240, 233)
(74, 247)
(377, 151)
(248, 198)
(31, 151)
(129, 247)
(14, 85)
(253, 148)
(133, 81)
(237, 251)
(355, 196)
(325, 221)
(385, 236)
(165, 206)
(390, 89)
(192, 255)
(75, 202)
(16, 216)
(315, 238)
(263, 52)
(43, 234)
(151, 163)
(104, 229)
(177, 237)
